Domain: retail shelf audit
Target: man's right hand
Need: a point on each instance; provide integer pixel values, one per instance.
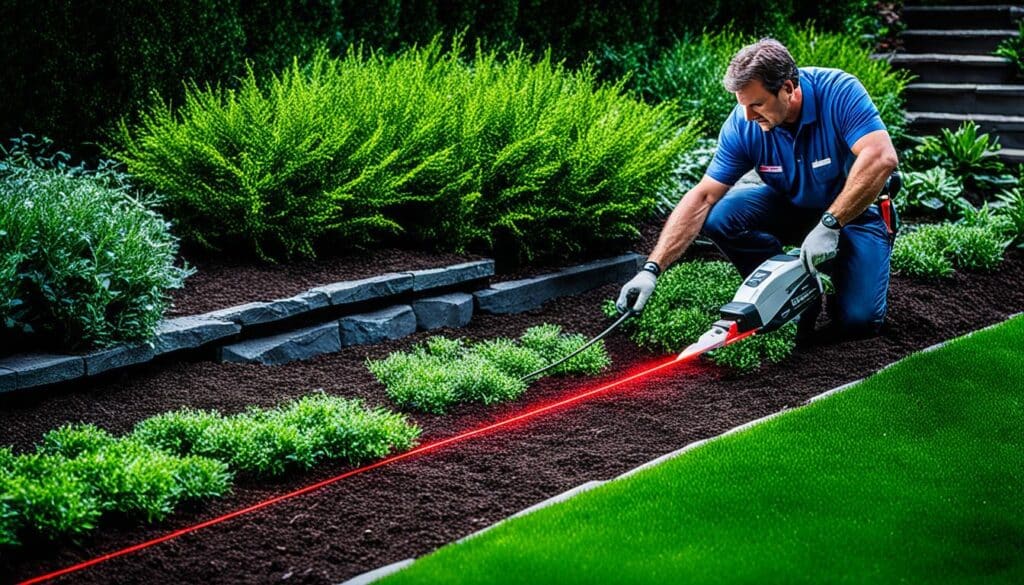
(635, 293)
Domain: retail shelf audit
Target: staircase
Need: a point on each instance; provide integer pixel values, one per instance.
(949, 49)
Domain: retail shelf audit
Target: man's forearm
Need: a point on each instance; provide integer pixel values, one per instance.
(681, 228)
(867, 177)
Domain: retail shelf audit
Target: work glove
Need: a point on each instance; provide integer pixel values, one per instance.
(819, 245)
(635, 293)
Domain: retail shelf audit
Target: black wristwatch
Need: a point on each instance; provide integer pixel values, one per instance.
(828, 220)
(652, 267)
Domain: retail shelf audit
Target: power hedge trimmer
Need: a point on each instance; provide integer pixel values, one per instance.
(774, 294)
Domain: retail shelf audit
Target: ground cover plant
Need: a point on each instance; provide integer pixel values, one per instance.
(1013, 48)
(966, 154)
(84, 260)
(79, 472)
(686, 303)
(516, 156)
(902, 472)
(937, 250)
(935, 193)
(442, 372)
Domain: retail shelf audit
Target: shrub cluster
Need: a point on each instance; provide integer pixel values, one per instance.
(965, 153)
(442, 372)
(267, 442)
(512, 155)
(1013, 48)
(685, 305)
(78, 473)
(84, 261)
(934, 251)
(692, 69)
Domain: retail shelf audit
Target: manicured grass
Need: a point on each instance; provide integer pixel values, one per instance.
(915, 475)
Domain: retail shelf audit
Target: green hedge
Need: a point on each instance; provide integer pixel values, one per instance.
(442, 372)
(515, 157)
(936, 250)
(84, 261)
(686, 303)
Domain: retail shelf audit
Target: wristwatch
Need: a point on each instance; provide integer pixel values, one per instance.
(652, 267)
(828, 220)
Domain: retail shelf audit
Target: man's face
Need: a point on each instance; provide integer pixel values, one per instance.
(765, 108)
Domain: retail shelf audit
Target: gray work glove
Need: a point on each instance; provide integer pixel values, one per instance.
(819, 245)
(635, 293)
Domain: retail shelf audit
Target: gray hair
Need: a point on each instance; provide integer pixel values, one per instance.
(766, 60)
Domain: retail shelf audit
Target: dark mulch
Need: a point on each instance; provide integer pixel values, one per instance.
(412, 507)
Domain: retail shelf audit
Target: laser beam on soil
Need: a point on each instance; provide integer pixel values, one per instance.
(432, 446)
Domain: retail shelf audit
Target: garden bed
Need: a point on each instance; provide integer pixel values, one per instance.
(414, 506)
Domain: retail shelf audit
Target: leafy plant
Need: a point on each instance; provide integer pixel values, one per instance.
(685, 305)
(1011, 206)
(935, 191)
(83, 258)
(1013, 48)
(936, 250)
(965, 153)
(508, 154)
(441, 372)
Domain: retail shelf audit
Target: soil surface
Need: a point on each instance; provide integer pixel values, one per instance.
(411, 507)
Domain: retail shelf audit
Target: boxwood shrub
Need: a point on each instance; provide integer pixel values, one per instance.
(84, 260)
(686, 303)
(442, 372)
(515, 156)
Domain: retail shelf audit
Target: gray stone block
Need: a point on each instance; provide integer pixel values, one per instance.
(354, 291)
(521, 295)
(39, 369)
(117, 357)
(8, 380)
(451, 310)
(449, 275)
(300, 344)
(261, 311)
(391, 323)
(190, 332)
(314, 299)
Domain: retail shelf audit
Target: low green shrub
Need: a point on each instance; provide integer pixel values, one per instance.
(441, 372)
(935, 192)
(936, 250)
(686, 303)
(84, 261)
(514, 155)
(268, 442)
(966, 154)
(1011, 206)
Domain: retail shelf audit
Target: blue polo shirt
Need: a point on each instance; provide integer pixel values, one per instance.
(810, 166)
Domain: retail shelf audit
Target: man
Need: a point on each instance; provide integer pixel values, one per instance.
(818, 143)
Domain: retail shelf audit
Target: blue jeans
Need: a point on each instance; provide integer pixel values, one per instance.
(750, 225)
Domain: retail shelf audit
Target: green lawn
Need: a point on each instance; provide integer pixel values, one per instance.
(915, 475)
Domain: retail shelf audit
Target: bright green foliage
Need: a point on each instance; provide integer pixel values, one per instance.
(934, 251)
(71, 441)
(1013, 48)
(686, 303)
(691, 71)
(1011, 207)
(48, 498)
(268, 442)
(964, 153)
(935, 191)
(441, 372)
(84, 262)
(510, 154)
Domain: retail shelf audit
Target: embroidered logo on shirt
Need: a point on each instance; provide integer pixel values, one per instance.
(821, 163)
(769, 169)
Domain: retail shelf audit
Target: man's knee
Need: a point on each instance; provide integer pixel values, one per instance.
(860, 319)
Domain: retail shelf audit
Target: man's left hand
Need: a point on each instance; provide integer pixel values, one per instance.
(819, 245)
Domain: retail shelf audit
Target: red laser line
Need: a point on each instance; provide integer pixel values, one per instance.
(407, 454)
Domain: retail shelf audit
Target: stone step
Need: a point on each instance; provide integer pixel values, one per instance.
(961, 42)
(1012, 156)
(966, 98)
(942, 68)
(961, 17)
(1009, 129)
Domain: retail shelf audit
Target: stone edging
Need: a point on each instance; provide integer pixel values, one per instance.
(452, 309)
(381, 572)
